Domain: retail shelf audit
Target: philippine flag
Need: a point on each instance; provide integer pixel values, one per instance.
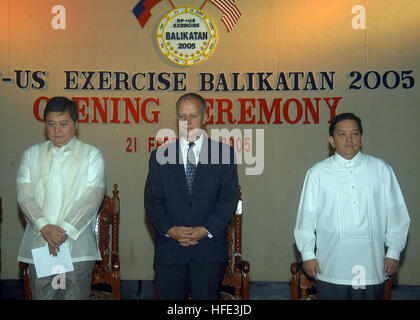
(142, 10)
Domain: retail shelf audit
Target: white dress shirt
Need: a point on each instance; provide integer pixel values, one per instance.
(184, 145)
(65, 187)
(351, 209)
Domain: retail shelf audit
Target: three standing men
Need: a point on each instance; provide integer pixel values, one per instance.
(60, 187)
(350, 208)
(190, 196)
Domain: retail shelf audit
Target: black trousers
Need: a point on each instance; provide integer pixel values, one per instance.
(331, 291)
(176, 282)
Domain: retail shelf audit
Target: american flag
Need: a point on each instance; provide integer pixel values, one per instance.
(230, 11)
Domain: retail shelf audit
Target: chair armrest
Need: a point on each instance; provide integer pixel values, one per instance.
(241, 276)
(115, 262)
(242, 265)
(23, 266)
(25, 269)
(295, 267)
(388, 289)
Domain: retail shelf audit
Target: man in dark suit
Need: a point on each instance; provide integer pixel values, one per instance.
(191, 194)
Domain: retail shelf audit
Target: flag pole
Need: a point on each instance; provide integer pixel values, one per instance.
(172, 4)
(204, 4)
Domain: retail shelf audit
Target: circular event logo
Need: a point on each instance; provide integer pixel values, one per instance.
(187, 36)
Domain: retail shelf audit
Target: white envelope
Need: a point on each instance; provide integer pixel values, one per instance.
(48, 265)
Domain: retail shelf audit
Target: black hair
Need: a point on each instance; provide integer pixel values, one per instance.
(345, 116)
(62, 104)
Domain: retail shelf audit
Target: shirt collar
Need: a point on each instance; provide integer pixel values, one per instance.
(198, 143)
(65, 148)
(352, 163)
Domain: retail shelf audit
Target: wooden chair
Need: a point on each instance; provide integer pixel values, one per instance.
(303, 287)
(237, 270)
(106, 273)
(235, 283)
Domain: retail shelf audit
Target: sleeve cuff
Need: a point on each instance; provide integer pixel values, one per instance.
(71, 231)
(208, 233)
(164, 236)
(40, 223)
(308, 255)
(393, 254)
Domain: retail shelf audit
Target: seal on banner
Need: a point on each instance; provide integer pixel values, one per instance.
(187, 36)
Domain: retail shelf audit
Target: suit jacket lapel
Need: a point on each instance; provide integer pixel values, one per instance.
(179, 169)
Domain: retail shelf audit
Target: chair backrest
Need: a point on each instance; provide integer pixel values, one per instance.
(107, 270)
(235, 237)
(236, 274)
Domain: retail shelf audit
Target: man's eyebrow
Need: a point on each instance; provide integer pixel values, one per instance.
(357, 129)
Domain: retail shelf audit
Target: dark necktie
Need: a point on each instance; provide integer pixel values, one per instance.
(191, 167)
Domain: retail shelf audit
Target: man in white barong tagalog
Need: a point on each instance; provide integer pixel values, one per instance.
(352, 221)
(60, 187)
